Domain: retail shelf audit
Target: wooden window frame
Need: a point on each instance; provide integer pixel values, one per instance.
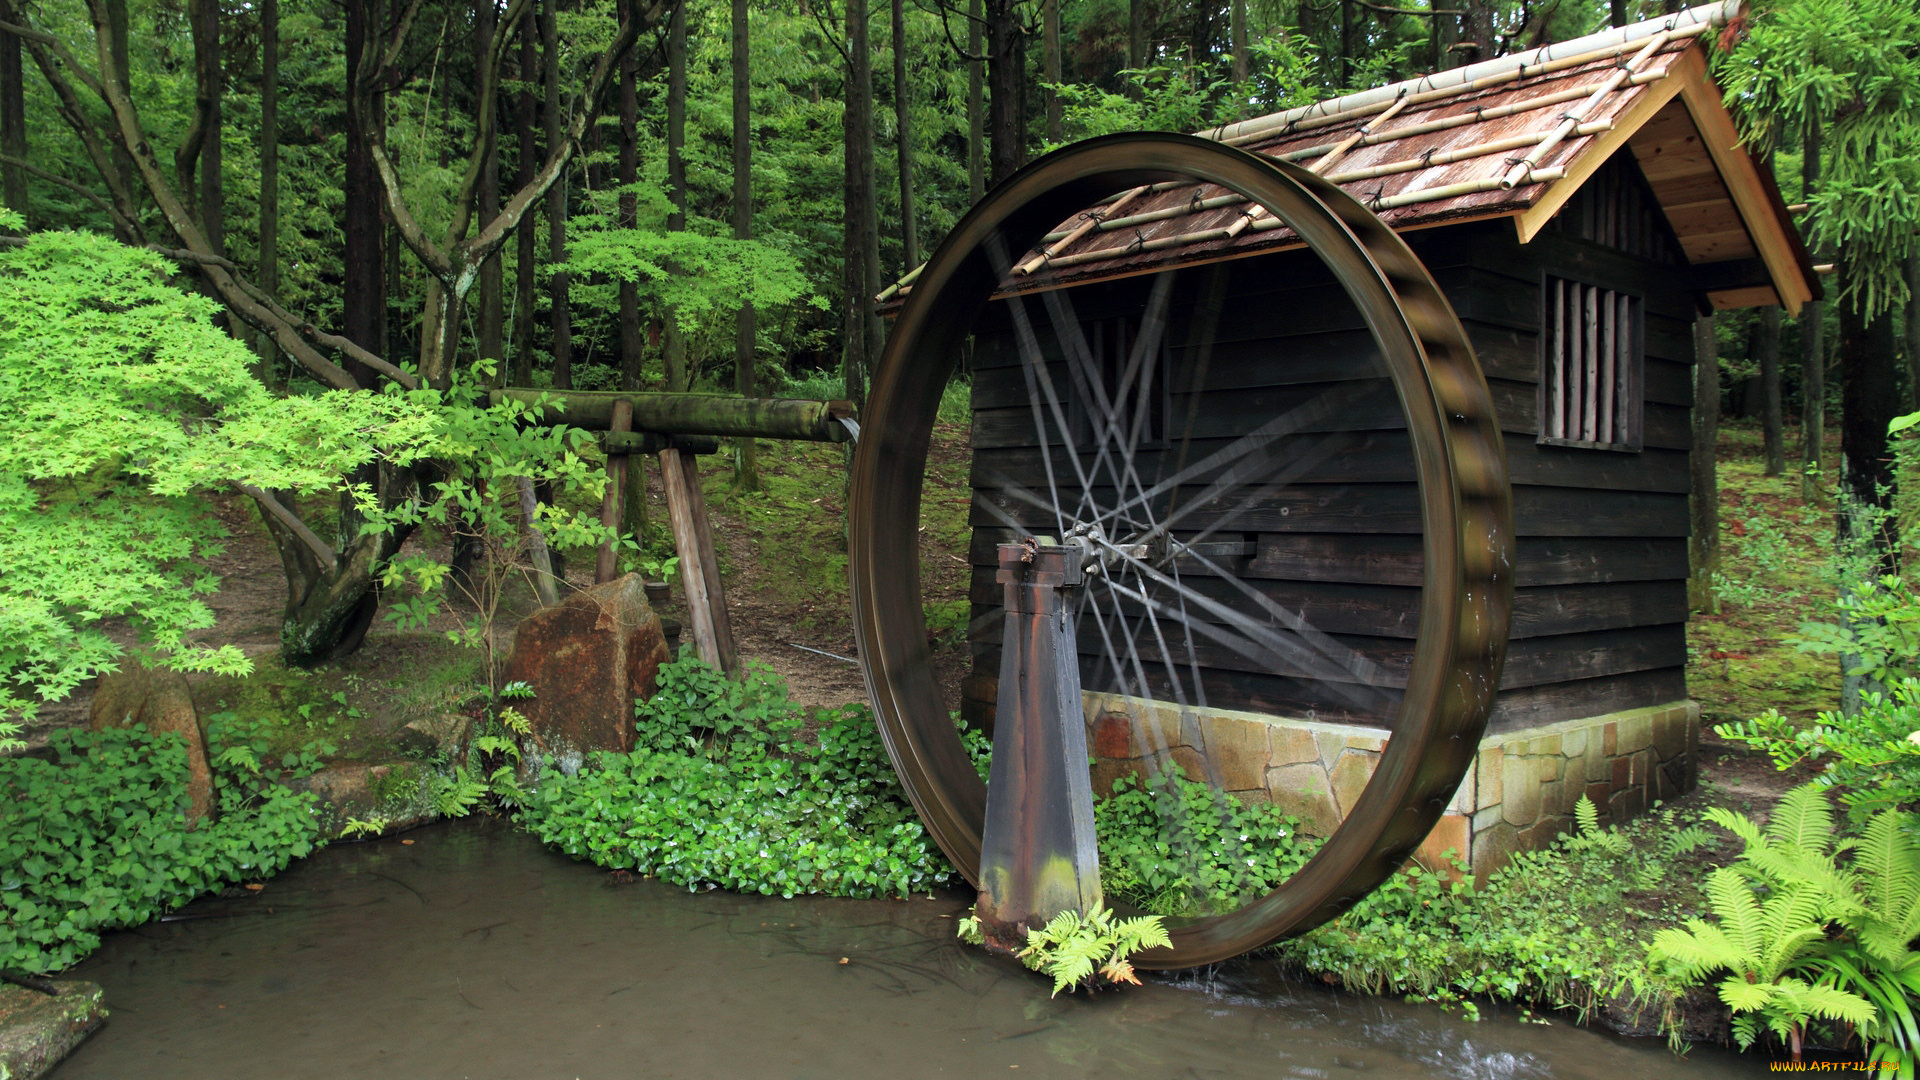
(1597, 354)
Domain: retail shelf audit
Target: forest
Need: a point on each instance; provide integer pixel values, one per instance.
(262, 262)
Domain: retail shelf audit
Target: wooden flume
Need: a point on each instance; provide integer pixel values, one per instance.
(677, 428)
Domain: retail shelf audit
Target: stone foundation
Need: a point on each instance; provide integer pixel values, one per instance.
(1520, 793)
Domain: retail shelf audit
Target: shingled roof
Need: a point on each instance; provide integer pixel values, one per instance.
(1511, 137)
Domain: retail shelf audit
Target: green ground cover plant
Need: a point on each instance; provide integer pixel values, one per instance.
(95, 837)
(731, 785)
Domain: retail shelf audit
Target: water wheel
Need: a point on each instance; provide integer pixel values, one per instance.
(1217, 501)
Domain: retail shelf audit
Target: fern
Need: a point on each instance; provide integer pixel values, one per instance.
(1804, 937)
(1073, 947)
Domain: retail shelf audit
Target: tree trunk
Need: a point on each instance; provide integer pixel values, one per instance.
(489, 328)
(1869, 401)
(1913, 329)
(903, 137)
(746, 473)
(1136, 39)
(1344, 61)
(560, 312)
(976, 108)
(1442, 33)
(1813, 352)
(1766, 348)
(1005, 85)
(526, 243)
(1478, 31)
(1237, 41)
(1617, 12)
(1050, 16)
(13, 124)
(861, 263)
(678, 377)
(1703, 548)
(363, 318)
(205, 18)
(269, 248)
(632, 342)
(118, 25)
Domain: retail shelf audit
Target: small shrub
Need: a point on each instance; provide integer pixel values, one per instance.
(96, 838)
(1870, 756)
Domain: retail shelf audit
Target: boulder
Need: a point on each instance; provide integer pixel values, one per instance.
(395, 795)
(160, 702)
(587, 658)
(41, 1024)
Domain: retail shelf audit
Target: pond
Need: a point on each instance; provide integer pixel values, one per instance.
(473, 952)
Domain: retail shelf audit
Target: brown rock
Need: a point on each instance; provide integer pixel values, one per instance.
(587, 658)
(396, 794)
(159, 702)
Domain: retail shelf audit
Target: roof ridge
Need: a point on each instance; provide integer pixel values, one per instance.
(1692, 20)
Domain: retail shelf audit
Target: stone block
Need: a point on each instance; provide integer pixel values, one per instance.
(1543, 746)
(1553, 795)
(38, 1029)
(1493, 848)
(1108, 770)
(1642, 768)
(1636, 731)
(1349, 777)
(588, 658)
(1110, 736)
(1331, 744)
(1610, 738)
(1372, 744)
(1452, 833)
(159, 702)
(1622, 777)
(1573, 744)
(1628, 804)
(1291, 746)
(1520, 783)
(1489, 772)
(1302, 790)
(1485, 818)
(1238, 750)
(1598, 765)
(1670, 733)
(1190, 763)
(1601, 795)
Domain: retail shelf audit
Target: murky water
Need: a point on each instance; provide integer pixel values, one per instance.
(473, 952)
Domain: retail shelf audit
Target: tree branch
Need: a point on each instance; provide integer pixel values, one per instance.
(1387, 10)
(78, 189)
(293, 524)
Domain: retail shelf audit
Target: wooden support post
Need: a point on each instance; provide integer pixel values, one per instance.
(611, 504)
(699, 571)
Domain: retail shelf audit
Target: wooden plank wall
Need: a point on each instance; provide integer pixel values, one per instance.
(1600, 599)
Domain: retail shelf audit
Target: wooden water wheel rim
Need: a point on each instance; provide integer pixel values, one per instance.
(1466, 597)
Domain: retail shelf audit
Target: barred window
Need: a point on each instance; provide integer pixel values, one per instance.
(1590, 347)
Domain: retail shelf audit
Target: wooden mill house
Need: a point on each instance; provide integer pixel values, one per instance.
(1579, 285)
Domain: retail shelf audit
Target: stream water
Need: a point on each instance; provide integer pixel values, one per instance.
(473, 952)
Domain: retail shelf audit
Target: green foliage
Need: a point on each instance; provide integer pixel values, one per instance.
(120, 404)
(742, 801)
(1870, 756)
(1804, 936)
(1850, 65)
(1176, 846)
(1073, 948)
(95, 838)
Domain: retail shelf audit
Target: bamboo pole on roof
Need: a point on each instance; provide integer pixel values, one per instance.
(1252, 223)
(1093, 219)
(1479, 76)
(1467, 119)
(1371, 172)
(1524, 168)
(1327, 159)
(900, 286)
